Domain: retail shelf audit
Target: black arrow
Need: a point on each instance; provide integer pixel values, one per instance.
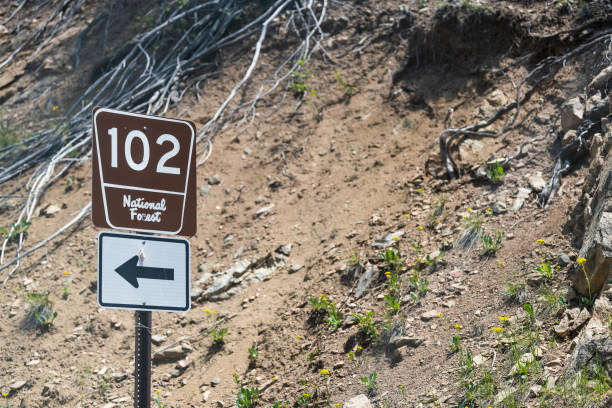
(130, 271)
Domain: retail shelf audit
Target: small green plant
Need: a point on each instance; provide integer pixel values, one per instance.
(420, 286)
(348, 88)
(41, 310)
(157, 400)
(353, 260)
(65, 292)
(472, 229)
(394, 264)
(393, 259)
(253, 355)
(416, 247)
(370, 382)
(586, 300)
(323, 305)
(366, 324)
(455, 345)
(546, 269)
(491, 245)
(495, 172)
(311, 356)
(247, 397)
(516, 292)
(4, 396)
(103, 384)
(436, 213)
(320, 304)
(299, 85)
(304, 399)
(334, 317)
(7, 135)
(15, 230)
(530, 312)
(218, 336)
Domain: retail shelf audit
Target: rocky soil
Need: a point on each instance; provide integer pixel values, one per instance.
(346, 267)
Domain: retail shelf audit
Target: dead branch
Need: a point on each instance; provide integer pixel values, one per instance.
(142, 81)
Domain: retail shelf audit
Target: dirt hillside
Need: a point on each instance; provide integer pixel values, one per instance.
(331, 243)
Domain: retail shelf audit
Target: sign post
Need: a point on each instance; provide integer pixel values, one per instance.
(142, 360)
(143, 180)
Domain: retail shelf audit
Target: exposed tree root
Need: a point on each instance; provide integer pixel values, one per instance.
(545, 70)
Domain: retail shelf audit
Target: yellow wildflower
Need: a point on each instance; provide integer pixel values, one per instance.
(388, 275)
(359, 348)
(5, 394)
(158, 391)
(540, 241)
(66, 272)
(407, 215)
(500, 263)
(395, 238)
(488, 210)
(420, 227)
(581, 261)
(420, 190)
(440, 314)
(273, 379)
(338, 405)
(54, 108)
(458, 326)
(207, 310)
(503, 318)
(496, 329)
(324, 372)
(469, 210)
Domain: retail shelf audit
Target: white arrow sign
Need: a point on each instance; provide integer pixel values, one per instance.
(143, 272)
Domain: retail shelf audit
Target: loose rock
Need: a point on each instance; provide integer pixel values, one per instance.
(170, 355)
(564, 259)
(360, 401)
(263, 211)
(427, 316)
(366, 281)
(536, 182)
(522, 195)
(571, 114)
(400, 341)
(602, 78)
(17, 385)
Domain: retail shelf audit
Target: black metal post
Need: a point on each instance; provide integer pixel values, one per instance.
(142, 360)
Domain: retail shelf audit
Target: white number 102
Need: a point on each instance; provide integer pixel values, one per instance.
(137, 134)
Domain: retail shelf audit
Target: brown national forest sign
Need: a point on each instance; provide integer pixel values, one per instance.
(143, 173)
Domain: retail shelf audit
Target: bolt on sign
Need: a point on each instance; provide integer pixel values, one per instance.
(143, 173)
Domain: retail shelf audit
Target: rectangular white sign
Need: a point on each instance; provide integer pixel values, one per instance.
(142, 272)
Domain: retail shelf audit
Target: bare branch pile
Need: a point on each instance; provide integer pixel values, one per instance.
(152, 74)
